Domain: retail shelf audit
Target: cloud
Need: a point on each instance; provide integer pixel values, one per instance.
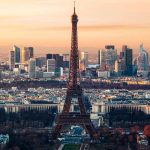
(110, 27)
(92, 27)
(8, 17)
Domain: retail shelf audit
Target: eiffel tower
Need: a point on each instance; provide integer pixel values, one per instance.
(74, 90)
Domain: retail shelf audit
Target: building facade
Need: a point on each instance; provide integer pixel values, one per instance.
(51, 65)
(83, 60)
(32, 68)
(17, 53)
(58, 59)
(128, 58)
(142, 59)
(102, 61)
(11, 60)
(110, 57)
(26, 54)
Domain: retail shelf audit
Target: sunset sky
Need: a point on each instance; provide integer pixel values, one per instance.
(45, 24)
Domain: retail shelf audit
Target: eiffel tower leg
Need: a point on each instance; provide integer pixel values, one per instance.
(91, 131)
(67, 103)
(56, 131)
(81, 105)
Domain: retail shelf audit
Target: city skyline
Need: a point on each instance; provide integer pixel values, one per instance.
(74, 101)
(43, 24)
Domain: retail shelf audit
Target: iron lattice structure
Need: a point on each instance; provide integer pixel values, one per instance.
(74, 91)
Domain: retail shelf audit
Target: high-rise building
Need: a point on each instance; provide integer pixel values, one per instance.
(0, 73)
(17, 53)
(32, 68)
(41, 61)
(49, 56)
(83, 60)
(66, 59)
(110, 57)
(11, 60)
(109, 47)
(118, 67)
(124, 47)
(102, 60)
(99, 57)
(142, 59)
(128, 60)
(58, 58)
(59, 72)
(121, 56)
(23, 51)
(31, 52)
(26, 54)
(51, 65)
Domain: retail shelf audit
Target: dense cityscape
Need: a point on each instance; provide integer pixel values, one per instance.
(70, 102)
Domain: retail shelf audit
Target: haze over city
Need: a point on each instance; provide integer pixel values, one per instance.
(74, 76)
(44, 24)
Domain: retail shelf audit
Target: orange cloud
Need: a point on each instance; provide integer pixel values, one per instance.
(47, 22)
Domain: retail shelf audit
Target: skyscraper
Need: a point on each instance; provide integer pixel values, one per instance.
(26, 54)
(0, 73)
(109, 47)
(32, 68)
(31, 52)
(83, 60)
(99, 57)
(142, 59)
(17, 53)
(41, 61)
(118, 67)
(102, 60)
(11, 59)
(66, 59)
(58, 58)
(51, 65)
(49, 56)
(128, 60)
(110, 57)
(124, 47)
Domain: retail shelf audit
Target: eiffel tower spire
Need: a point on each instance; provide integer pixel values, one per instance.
(74, 7)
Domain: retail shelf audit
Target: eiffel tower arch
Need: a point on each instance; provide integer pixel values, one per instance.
(74, 90)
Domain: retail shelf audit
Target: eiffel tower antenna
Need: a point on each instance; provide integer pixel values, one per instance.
(74, 7)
